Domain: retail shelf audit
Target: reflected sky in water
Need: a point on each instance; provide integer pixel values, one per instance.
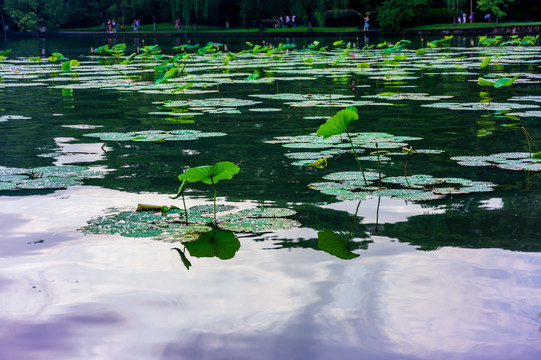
(75, 296)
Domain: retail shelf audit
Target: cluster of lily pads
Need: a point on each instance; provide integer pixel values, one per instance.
(508, 161)
(154, 135)
(46, 177)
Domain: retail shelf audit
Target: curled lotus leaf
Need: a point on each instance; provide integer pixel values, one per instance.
(338, 124)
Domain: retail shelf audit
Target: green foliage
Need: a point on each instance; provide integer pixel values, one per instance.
(493, 6)
(338, 124)
(28, 13)
(210, 174)
(393, 14)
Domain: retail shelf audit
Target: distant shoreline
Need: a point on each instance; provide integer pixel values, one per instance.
(525, 29)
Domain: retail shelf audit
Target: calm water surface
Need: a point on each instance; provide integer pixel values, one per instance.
(454, 278)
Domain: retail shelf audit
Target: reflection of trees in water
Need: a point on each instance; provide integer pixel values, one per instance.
(467, 224)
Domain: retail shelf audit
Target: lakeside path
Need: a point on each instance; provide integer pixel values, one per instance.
(525, 29)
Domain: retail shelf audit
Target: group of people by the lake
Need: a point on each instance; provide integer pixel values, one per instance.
(286, 21)
(462, 17)
(112, 26)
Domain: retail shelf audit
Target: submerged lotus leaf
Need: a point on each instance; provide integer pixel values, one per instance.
(407, 194)
(352, 175)
(259, 224)
(267, 212)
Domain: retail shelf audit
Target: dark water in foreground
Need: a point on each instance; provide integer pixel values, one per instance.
(452, 278)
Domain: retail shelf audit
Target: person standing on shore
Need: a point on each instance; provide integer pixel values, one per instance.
(366, 24)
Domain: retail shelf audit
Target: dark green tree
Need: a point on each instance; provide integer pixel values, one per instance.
(27, 14)
(493, 6)
(392, 14)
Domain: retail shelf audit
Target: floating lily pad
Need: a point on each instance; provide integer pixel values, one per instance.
(407, 194)
(154, 135)
(7, 185)
(352, 175)
(259, 224)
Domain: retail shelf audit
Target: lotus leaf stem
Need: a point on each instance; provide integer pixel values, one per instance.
(356, 157)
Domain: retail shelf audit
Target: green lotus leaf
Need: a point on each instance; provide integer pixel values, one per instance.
(49, 183)
(338, 124)
(142, 232)
(267, 212)
(407, 194)
(352, 175)
(505, 81)
(7, 185)
(257, 225)
(332, 243)
(214, 243)
(211, 174)
(209, 209)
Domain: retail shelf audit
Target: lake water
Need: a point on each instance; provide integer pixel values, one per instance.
(456, 276)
